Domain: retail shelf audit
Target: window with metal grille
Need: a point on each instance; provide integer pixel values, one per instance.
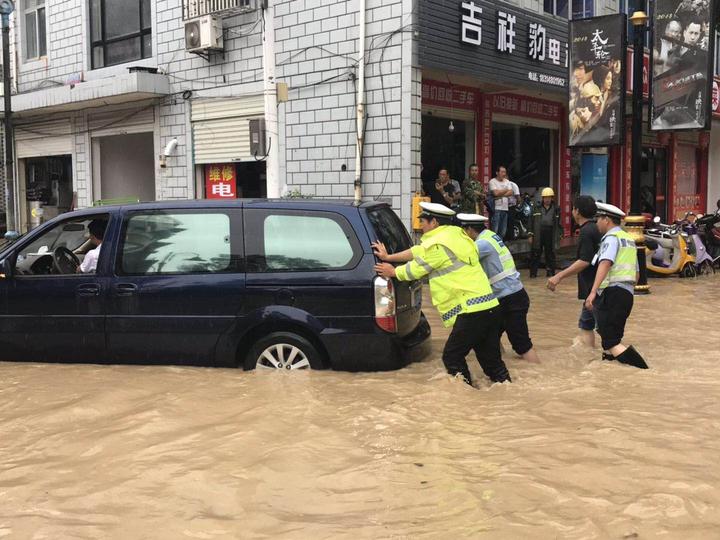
(35, 29)
(198, 8)
(120, 31)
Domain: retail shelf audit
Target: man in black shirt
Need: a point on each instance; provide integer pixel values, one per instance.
(588, 244)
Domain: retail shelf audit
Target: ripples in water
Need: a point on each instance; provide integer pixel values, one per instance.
(574, 448)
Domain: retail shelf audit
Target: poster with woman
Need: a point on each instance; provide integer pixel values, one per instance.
(682, 60)
(596, 104)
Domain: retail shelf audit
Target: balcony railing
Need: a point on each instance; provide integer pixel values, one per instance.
(226, 8)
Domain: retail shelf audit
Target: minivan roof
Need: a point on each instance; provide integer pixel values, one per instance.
(236, 203)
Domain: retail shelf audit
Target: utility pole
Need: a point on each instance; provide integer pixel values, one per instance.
(635, 222)
(6, 8)
(272, 141)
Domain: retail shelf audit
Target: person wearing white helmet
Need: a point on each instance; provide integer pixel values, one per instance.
(544, 232)
(459, 289)
(499, 265)
(611, 297)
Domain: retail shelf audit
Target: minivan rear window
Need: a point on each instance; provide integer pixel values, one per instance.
(389, 229)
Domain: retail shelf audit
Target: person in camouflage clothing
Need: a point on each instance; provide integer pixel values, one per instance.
(473, 194)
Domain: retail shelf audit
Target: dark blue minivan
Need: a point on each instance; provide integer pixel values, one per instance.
(281, 284)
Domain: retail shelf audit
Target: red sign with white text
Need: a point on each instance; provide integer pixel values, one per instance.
(646, 73)
(526, 106)
(686, 196)
(441, 94)
(220, 181)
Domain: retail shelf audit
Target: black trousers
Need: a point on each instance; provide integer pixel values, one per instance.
(612, 309)
(514, 308)
(545, 243)
(480, 332)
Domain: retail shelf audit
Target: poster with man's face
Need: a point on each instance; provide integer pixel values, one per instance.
(682, 56)
(596, 104)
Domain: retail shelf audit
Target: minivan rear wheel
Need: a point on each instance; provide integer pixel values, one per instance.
(283, 350)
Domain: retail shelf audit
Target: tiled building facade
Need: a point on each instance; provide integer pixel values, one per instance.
(104, 87)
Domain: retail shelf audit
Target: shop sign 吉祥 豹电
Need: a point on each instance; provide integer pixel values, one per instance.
(493, 41)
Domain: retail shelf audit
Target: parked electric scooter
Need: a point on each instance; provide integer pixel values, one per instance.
(709, 227)
(667, 252)
(519, 218)
(704, 263)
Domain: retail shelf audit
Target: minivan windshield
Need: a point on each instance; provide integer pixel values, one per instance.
(389, 229)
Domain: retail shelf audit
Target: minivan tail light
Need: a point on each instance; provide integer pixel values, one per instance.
(385, 304)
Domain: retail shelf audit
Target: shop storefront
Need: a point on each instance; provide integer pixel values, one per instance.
(713, 192)
(518, 115)
(228, 153)
(44, 170)
(493, 93)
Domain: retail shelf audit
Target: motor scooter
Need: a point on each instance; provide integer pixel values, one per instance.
(709, 227)
(704, 263)
(519, 218)
(667, 252)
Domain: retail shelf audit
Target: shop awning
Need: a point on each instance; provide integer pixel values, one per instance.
(124, 88)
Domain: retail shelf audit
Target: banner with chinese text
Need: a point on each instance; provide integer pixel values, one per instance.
(220, 181)
(682, 64)
(493, 42)
(596, 101)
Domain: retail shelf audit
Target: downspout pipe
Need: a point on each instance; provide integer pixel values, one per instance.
(360, 105)
(6, 9)
(272, 131)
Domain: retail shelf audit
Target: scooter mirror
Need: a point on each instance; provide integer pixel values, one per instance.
(656, 219)
(718, 204)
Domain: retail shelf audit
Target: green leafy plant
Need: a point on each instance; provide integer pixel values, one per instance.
(296, 194)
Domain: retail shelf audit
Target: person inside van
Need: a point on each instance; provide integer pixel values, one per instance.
(96, 228)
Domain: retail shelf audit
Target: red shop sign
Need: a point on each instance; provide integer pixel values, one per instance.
(220, 181)
(646, 73)
(526, 106)
(442, 94)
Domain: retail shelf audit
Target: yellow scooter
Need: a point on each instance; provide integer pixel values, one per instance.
(667, 252)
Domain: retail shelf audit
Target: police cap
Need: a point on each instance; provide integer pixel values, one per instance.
(435, 210)
(471, 219)
(609, 210)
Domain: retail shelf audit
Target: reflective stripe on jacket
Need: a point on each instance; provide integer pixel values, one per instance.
(506, 258)
(458, 283)
(624, 267)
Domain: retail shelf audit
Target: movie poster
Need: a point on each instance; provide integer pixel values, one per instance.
(682, 60)
(597, 81)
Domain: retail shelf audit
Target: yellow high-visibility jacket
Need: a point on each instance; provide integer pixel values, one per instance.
(458, 283)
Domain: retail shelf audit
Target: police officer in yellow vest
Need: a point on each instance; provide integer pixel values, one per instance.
(499, 266)
(611, 296)
(459, 288)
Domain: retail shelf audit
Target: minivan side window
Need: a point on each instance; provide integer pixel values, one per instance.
(296, 241)
(178, 243)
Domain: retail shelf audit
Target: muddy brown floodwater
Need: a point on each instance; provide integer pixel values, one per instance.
(573, 449)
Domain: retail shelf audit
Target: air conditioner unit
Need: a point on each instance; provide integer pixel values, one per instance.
(204, 34)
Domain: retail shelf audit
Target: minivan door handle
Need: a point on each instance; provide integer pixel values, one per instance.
(125, 289)
(88, 290)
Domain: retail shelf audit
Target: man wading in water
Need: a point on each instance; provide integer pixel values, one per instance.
(611, 296)
(459, 288)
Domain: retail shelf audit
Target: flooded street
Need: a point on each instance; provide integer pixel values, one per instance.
(572, 449)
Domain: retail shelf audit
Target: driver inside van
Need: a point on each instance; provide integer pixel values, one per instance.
(96, 228)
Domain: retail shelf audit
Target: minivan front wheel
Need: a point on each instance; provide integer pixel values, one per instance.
(283, 350)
